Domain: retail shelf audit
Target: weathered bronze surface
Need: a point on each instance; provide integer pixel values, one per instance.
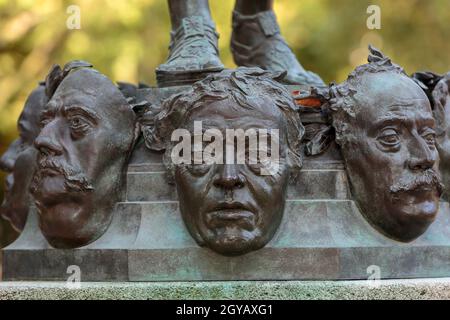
(231, 208)
(322, 234)
(355, 181)
(256, 42)
(437, 88)
(193, 46)
(19, 161)
(385, 127)
(88, 133)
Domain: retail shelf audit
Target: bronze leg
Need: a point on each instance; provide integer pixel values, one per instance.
(249, 7)
(194, 50)
(256, 42)
(180, 9)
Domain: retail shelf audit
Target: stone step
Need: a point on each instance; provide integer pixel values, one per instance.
(310, 184)
(321, 239)
(306, 223)
(408, 289)
(157, 166)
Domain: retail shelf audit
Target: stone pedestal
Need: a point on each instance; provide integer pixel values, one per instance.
(251, 290)
(322, 236)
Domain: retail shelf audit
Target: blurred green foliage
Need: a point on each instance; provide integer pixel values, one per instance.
(127, 40)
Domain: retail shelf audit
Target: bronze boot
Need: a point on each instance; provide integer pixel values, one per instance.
(256, 42)
(193, 53)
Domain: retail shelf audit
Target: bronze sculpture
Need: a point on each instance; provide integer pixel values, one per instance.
(437, 88)
(239, 204)
(230, 207)
(256, 42)
(20, 161)
(88, 133)
(385, 127)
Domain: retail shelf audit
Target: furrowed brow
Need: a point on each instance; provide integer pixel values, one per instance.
(390, 121)
(77, 109)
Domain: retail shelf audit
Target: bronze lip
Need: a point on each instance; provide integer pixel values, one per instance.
(430, 187)
(421, 193)
(229, 206)
(231, 212)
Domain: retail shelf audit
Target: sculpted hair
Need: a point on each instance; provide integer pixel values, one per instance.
(57, 75)
(245, 87)
(342, 105)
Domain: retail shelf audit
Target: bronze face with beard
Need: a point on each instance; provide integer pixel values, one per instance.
(19, 161)
(438, 90)
(88, 132)
(385, 127)
(231, 208)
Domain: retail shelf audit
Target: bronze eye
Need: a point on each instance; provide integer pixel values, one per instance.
(79, 126)
(429, 136)
(389, 138)
(75, 122)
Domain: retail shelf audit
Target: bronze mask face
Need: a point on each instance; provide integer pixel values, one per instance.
(232, 208)
(386, 130)
(88, 133)
(20, 161)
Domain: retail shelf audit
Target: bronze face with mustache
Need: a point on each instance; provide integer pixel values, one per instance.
(74, 178)
(88, 132)
(231, 208)
(385, 127)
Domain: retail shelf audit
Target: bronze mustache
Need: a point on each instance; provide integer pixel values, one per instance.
(428, 179)
(75, 179)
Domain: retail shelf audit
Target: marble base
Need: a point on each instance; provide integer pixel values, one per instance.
(251, 290)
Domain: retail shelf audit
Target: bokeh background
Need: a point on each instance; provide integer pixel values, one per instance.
(127, 40)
